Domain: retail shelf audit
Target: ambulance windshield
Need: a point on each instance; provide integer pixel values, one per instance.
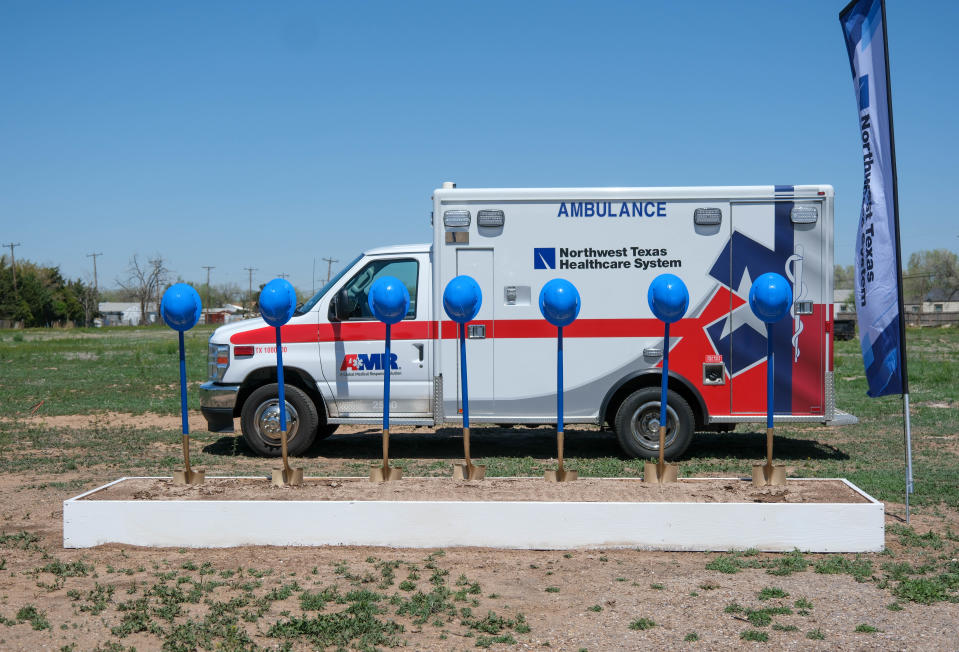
(308, 306)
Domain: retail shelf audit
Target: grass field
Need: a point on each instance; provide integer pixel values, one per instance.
(135, 371)
(116, 597)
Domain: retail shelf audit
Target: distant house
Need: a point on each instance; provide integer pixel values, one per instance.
(116, 313)
(936, 301)
(223, 315)
(842, 305)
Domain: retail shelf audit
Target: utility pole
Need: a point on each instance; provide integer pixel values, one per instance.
(13, 265)
(157, 265)
(329, 267)
(207, 268)
(96, 286)
(251, 270)
(283, 275)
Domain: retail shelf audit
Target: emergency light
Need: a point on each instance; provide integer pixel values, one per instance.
(707, 216)
(491, 218)
(804, 214)
(456, 218)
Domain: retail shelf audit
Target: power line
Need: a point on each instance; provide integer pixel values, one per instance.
(251, 270)
(283, 275)
(208, 268)
(13, 265)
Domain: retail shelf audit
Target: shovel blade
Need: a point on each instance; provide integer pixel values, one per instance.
(189, 477)
(385, 474)
(472, 472)
(651, 473)
(561, 476)
(284, 477)
(766, 476)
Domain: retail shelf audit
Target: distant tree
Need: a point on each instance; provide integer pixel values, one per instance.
(144, 281)
(42, 298)
(843, 277)
(928, 271)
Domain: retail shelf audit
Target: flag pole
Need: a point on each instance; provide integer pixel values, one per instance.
(907, 429)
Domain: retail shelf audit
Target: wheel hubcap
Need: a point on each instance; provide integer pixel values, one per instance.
(645, 424)
(267, 419)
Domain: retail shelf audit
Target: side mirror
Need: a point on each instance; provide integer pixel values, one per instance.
(343, 306)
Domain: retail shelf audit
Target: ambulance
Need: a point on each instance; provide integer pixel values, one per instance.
(610, 243)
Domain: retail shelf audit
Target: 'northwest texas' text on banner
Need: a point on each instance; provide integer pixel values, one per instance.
(877, 274)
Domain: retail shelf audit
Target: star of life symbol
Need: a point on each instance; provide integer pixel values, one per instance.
(741, 261)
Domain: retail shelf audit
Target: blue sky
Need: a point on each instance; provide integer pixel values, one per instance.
(239, 134)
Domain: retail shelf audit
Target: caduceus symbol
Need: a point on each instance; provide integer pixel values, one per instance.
(794, 273)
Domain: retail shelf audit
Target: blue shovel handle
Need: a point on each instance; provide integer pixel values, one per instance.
(770, 376)
(183, 412)
(559, 379)
(665, 383)
(387, 366)
(466, 400)
(279, 379)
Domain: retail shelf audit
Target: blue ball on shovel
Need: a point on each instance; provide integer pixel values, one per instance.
(462, 299)
(277, 302)
(559, 302)
(770, 297)
(181, 307)
(389, 299)
(668, 298)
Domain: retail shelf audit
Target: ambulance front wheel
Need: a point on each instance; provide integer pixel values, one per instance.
(260, 420)
(637, 424)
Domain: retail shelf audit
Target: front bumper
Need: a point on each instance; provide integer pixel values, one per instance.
(217, 403)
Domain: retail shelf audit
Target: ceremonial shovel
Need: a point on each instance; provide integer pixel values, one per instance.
(559, 302)
(277, 305)
(181, 311)
(461, 300)
(389, 300)
(770, 298)
(668, 298)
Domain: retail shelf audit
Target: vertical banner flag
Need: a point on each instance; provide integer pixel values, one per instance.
(878, 293)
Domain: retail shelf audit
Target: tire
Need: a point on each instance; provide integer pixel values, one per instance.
(637, 424)
(260, 421)
(324, 430)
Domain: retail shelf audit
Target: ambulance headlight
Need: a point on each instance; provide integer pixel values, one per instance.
(491, 218)
(707, 217)
(456, 218)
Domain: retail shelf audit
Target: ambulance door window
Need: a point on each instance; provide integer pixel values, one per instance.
(358, 287)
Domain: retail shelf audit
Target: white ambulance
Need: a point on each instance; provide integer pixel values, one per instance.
(610, 243)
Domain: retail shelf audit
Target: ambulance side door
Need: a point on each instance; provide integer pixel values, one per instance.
(353, 359)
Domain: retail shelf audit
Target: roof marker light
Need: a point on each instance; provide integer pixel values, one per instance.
(456, 218)
(491, 218)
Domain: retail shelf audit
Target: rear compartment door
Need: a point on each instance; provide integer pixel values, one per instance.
(480, 343)
(765, 239)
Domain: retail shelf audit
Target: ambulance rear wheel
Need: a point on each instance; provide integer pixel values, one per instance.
(637, 424)
(260, 420)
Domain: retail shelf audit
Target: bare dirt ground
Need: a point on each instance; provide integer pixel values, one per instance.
(118, 597)
(588, 490)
